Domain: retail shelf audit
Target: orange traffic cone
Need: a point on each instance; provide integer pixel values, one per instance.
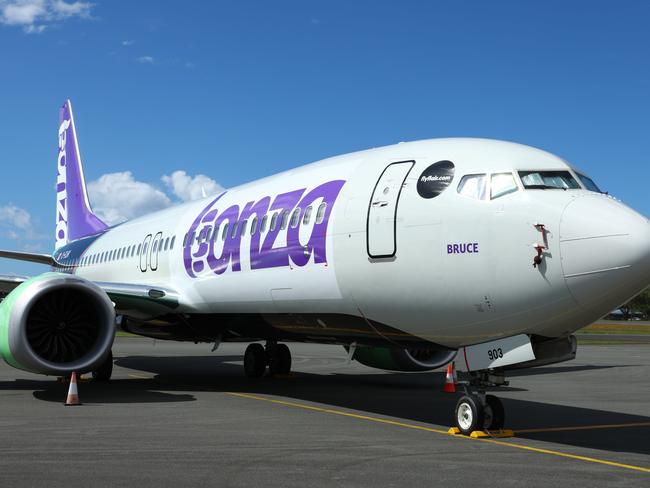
(450, 383)
(73, 395)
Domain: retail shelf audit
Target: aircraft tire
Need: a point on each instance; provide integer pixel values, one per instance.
(469, 414)
(255, 361)
(280, 360)
(495, 414)
(105, 370)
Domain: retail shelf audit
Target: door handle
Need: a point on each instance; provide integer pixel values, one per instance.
(380, 203)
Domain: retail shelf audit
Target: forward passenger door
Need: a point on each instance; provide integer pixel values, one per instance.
(382, 211)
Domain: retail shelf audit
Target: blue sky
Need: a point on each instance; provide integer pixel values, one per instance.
(238, 90)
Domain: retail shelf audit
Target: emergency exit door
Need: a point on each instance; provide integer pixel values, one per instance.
(382, 212)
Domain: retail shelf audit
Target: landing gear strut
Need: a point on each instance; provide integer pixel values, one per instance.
(477, 411)
(276, 356)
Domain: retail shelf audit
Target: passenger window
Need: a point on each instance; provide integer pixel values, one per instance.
(184, 241)
(295, 218)
(139, 246)
(253, 225)
(166, 243)
(502, 184)
(307, 216)
(215, 233)
(234, 229)
(242, 229)
(171, 244)
(473, 186)
(274, 220)
(225, 231)
(144, 248)
(285, 220)
(263, 225)
(201, 235)
(320, 214)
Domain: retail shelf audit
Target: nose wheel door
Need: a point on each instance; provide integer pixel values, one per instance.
(382, 211)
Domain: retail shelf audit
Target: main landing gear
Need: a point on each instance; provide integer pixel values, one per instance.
(105, 370)
(276, 356)
(477, 411)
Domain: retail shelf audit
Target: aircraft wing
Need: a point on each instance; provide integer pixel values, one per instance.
(135, 300)
(28, 256)
(9, 282)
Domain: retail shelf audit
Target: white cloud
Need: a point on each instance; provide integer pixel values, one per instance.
(187, 188)
(117, 197)
(18, 226)
(127, 43)
(16, 217)
(146, 59)
(35, 15)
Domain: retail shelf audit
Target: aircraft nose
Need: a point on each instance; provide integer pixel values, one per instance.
(605, 250)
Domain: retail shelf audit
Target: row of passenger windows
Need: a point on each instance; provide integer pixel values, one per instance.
(476, 186)
(163, 244)
(277, 219)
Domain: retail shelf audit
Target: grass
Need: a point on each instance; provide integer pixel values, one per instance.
(618, 329)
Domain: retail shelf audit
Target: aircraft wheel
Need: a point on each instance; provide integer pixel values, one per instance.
(105, 370)
(255, 361)
(280, 360)
(469, 414)
(495, 414)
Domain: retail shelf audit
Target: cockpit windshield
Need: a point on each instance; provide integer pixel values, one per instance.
(548, 180)
(588, 183)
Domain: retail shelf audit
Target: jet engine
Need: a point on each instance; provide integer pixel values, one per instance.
(56, 323)
(395, 359)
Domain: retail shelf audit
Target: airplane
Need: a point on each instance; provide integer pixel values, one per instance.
(487, 253)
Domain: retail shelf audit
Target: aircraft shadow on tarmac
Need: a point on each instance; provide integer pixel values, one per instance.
(408, 397)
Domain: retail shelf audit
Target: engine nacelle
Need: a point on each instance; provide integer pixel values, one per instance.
(395, 359)
(56, 323)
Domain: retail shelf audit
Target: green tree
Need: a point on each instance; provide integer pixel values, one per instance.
(640, 303)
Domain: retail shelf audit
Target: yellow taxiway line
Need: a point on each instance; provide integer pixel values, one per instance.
(444, 432)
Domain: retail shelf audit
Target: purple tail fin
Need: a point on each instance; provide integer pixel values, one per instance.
(74, 217)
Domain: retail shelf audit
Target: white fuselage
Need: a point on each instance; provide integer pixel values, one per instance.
(452, 269)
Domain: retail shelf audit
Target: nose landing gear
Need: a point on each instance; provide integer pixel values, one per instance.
(276, 356)
(476, 411)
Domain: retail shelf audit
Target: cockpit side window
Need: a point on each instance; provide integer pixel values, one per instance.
(588, 183)
(502, 184)
(548, 180)
(473, 186)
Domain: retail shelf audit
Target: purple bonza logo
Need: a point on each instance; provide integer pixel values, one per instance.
(199, 255)
(61, 192)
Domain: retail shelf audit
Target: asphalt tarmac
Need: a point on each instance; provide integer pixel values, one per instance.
(177, 415)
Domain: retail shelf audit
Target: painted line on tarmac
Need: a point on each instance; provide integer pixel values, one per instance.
(444, 432)
(582, 427)
(140, 376)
